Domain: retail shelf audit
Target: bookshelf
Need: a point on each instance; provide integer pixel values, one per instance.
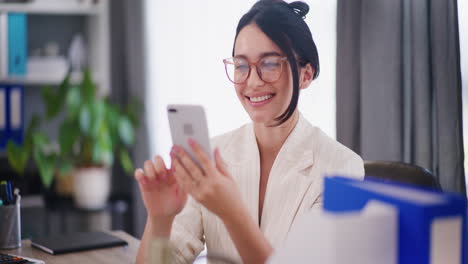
(95, 17)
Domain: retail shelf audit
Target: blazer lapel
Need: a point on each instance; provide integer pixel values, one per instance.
(244, 165)
(289, 182)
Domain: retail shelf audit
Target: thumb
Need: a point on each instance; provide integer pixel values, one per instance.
(220, 164)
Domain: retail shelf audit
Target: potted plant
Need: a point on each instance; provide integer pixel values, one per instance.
(93, 133)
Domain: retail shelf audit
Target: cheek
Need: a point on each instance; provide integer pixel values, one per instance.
(239, 89)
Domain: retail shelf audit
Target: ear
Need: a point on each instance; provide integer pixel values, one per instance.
(306, 76)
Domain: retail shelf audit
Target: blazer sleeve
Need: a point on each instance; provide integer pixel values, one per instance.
(187, 233)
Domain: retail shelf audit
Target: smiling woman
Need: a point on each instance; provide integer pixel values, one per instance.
(242, 202)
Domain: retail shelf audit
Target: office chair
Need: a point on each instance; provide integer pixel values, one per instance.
(400, 172)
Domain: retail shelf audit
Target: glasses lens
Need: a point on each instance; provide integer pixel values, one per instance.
(237, 69)
(270, 68)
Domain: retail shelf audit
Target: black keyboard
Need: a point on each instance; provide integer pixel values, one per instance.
(10, 259)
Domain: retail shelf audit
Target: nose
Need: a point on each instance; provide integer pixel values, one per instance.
(254, 78)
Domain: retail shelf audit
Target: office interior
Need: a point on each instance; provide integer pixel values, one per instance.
(393, 88)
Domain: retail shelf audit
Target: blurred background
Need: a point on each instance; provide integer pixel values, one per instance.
(84, 85)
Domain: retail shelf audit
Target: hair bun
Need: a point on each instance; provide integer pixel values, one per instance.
(299, 8)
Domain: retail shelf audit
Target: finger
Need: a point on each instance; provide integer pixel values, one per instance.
(141, 179)
(180, 174)
(220, 164)
(202, 156)
(193, 171)
(150, 173)
(160, 167)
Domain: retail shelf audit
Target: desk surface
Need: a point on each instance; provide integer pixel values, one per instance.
(106, 255)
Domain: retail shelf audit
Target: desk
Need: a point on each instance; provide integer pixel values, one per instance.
(107, 255)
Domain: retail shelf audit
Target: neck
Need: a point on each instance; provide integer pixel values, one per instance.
(271, 138)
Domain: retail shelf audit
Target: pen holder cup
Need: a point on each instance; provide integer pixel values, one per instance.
(10, 226)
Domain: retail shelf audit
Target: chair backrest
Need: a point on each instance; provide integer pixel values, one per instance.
(401, 173)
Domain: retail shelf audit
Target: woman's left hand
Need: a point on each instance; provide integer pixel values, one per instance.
(212, 186)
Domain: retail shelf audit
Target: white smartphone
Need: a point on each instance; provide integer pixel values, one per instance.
(189, 121)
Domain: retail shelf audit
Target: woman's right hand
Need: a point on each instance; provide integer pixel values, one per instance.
(162, 196)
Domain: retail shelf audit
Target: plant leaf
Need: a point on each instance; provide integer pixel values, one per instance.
(73, 101)
(40, 141)
(98, 114)
(31, 128)
(68, 134)
(126, 161)
(51, 102)
(126, 133)
(87, 86)
(17, 156)
(46, 165)
(85, 120)
(102, 149)
(64, 87)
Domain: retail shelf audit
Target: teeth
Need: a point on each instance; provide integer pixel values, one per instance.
(261, 98)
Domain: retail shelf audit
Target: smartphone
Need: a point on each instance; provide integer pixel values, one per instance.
(189, 121)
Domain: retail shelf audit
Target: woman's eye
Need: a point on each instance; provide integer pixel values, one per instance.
(242, 67)
(270, 64)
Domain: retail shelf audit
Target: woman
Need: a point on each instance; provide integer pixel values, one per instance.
(264, 174)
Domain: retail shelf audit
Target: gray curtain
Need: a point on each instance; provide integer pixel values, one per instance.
(399, 84)
(128, 80)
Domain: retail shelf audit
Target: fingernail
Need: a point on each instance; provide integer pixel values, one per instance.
(191, 142)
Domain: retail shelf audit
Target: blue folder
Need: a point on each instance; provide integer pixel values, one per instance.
(423, 216)
(17, 44)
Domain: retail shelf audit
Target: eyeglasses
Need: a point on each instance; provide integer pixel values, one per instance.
(269, 69)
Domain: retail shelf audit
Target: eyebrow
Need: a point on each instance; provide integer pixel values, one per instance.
(262, 55)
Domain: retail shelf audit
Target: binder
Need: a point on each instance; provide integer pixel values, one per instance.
(3, 116)
(3, 45)
(432, 225)
(17, 44)
(16, 113)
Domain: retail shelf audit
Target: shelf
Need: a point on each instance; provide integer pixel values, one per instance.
(32, 80)
(53, 7)
(45, 80)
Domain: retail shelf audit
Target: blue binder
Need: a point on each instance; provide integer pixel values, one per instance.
(16, 113)
(3, 116)
(425, 216)
(17, 44)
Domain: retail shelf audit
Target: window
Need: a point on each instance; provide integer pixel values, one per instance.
(186, 42)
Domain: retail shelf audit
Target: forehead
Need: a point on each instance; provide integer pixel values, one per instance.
(251, 43)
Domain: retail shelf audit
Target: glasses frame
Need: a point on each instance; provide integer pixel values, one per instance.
(259, 73)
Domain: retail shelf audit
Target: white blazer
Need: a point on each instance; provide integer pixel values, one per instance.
(294, 186)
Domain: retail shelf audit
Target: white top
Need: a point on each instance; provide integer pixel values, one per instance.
(295, 186)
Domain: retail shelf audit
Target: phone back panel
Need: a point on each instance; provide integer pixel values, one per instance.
(189, 121)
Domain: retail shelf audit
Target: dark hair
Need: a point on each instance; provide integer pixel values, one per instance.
(284, 24)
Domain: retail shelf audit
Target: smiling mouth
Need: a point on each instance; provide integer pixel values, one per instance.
(260, 98)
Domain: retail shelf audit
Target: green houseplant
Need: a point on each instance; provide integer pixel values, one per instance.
(93, 133)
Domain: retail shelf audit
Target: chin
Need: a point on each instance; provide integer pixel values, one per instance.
(259, 118)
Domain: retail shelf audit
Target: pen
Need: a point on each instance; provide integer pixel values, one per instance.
(9, 192)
